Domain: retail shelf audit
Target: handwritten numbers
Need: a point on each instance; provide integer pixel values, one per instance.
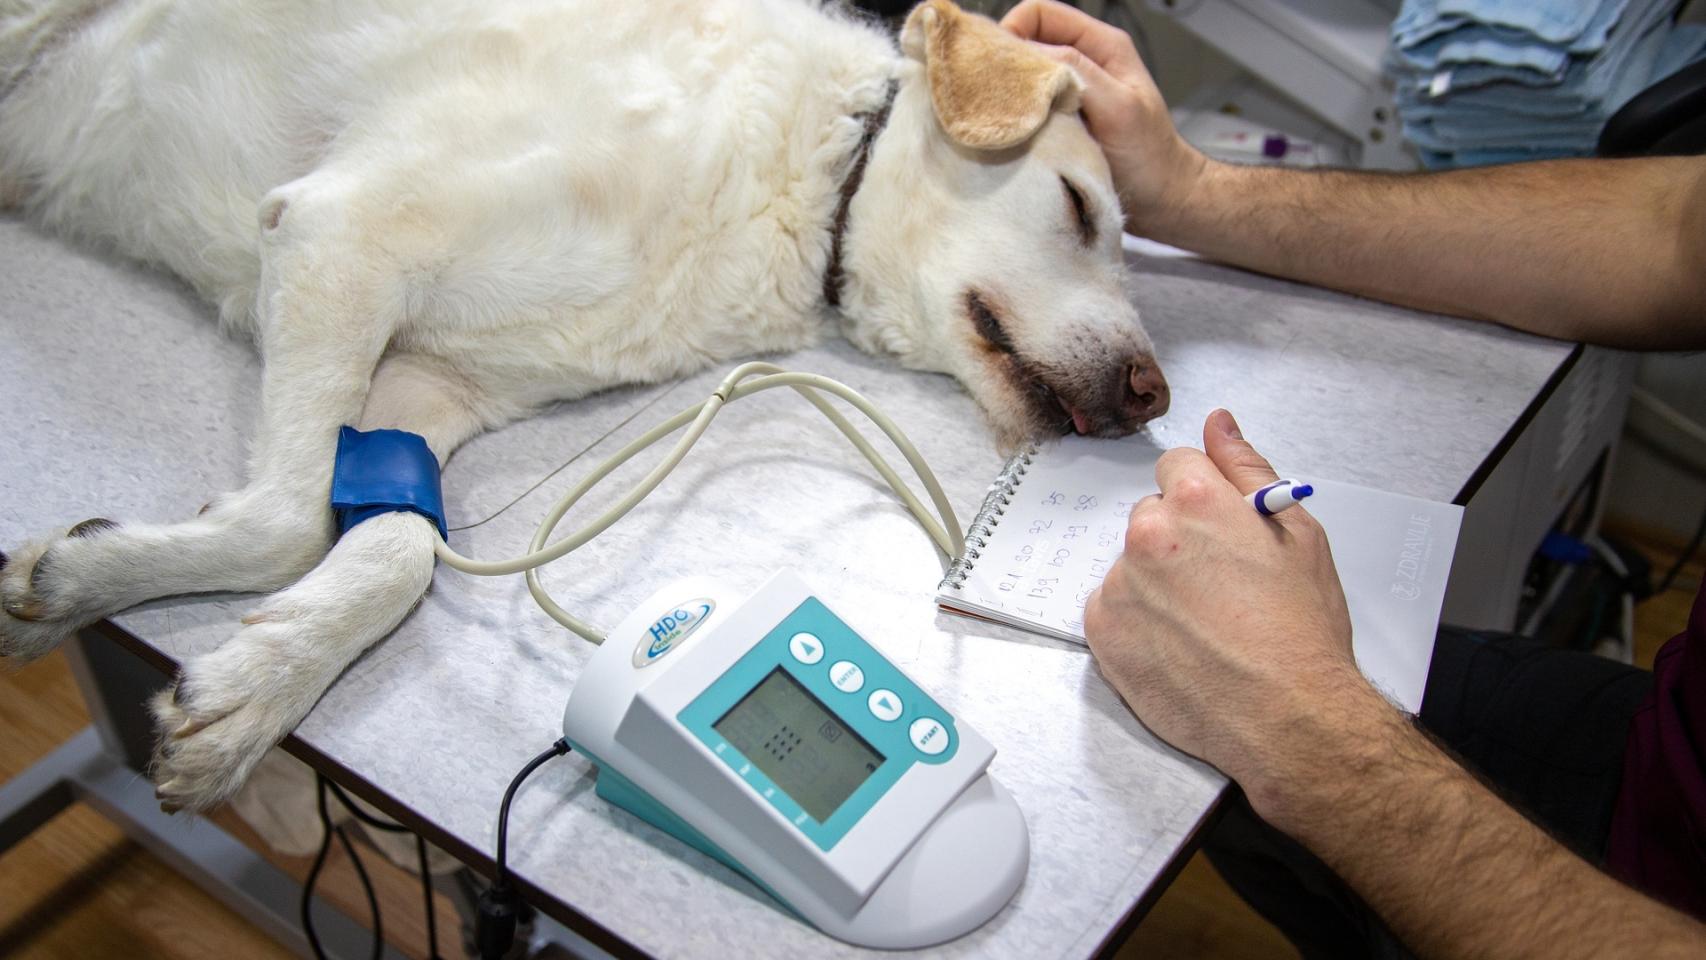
(1074, 538)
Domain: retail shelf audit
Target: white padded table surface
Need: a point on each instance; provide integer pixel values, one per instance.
(121, 399)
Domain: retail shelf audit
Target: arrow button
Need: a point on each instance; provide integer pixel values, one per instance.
(884, 704)
(806, 648)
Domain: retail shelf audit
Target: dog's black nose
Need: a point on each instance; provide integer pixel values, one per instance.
(1147, 396)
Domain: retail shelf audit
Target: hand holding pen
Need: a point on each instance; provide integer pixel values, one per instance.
(1219, 622)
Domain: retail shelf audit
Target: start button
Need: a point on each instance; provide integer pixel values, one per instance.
(929, 736)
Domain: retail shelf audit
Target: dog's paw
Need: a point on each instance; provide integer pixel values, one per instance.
(229, 707)
(38, 602)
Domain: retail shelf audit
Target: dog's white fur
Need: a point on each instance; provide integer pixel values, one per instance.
(437, 216)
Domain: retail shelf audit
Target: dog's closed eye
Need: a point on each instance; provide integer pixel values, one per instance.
(986, 323)
(1085, 223)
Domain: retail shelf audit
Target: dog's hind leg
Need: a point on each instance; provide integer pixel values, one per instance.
(230, 706)
(328, 305)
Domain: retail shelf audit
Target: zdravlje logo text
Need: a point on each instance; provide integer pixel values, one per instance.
(1412, 558)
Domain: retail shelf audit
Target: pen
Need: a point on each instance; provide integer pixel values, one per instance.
(1278, 495)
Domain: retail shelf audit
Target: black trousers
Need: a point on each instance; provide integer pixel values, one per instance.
(1544, 727)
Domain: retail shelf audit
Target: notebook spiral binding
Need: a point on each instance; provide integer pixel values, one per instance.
(988, 517)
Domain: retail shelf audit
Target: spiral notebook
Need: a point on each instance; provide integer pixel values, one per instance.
(1054, 520)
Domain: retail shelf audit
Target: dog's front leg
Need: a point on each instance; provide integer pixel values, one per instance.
(328, 303)
(230, 706)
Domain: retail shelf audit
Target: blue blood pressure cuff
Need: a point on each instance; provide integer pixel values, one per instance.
(383, 471)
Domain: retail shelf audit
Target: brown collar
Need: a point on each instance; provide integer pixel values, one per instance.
(834, 276)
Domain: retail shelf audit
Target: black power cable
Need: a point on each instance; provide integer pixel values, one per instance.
(494, 926)
(500, 905)
(326, 834)
(426, 896)
(327, 831)
(378, 949)
(420, 857)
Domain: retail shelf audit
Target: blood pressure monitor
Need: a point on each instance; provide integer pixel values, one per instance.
(767, 733)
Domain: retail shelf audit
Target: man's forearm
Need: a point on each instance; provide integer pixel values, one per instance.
(1453, 870)
(1610, 252)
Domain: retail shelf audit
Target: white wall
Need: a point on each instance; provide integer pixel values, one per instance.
(1179, 62)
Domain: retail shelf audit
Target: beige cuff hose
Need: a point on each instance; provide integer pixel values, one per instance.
(735, 386)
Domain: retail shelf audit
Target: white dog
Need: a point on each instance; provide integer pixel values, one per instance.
(438, 215)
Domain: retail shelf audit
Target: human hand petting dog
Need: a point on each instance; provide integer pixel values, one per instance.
(1153, 167)
(1226, 631)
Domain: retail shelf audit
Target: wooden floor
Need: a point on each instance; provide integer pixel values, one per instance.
(79, 890)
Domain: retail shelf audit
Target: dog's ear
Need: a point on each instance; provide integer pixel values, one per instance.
(991, 90)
